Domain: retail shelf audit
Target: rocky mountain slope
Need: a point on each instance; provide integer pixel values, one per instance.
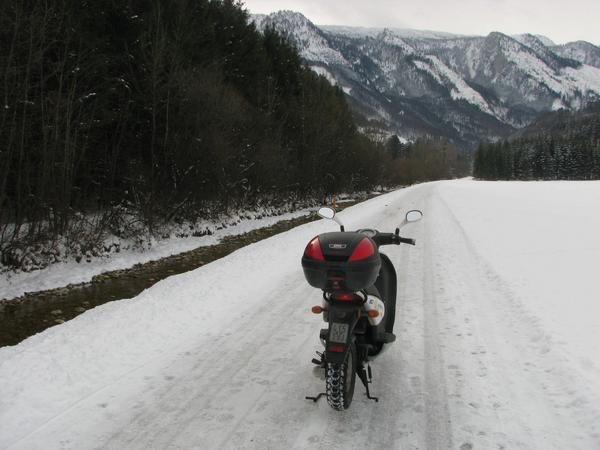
(465, 88)
(581, 51)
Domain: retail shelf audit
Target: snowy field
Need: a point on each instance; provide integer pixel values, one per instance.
(498, 325)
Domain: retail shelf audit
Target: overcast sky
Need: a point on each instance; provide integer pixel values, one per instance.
(560, 20)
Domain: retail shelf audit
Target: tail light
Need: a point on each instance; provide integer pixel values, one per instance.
(313, 250)
(337, 348)
(363, 250)
(344, 296)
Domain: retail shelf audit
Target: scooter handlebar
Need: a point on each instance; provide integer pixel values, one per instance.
(392, 239)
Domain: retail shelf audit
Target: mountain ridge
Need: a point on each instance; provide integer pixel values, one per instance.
(465, 88)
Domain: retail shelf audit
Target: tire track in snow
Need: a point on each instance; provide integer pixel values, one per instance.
(438, 434)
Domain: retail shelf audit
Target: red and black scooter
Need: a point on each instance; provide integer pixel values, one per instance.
(359, 302)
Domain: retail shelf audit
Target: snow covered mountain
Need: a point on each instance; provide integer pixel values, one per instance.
(581, 51)
(466, 88)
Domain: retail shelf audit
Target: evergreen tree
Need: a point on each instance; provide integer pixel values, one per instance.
(571, 151)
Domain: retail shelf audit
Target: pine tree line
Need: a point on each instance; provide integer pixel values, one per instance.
(567, 149)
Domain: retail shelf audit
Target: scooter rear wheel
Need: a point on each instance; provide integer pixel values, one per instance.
(340, 380)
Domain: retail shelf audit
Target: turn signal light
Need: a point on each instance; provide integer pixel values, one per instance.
(317, 310)
(363, 250)
(313, 250)
(372, 313)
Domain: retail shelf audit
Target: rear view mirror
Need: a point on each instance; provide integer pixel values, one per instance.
(414, 216)
(326, 212)
(329, 213)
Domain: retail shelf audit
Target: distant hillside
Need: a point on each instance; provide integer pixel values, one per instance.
(561, 123)
(421, 83)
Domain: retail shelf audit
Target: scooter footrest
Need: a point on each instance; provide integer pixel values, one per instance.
(388, 338)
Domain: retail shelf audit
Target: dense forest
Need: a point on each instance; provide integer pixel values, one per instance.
(155, 109)
(119, 118)
(560, 146)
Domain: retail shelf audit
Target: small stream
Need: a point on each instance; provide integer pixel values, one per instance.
(36, 311)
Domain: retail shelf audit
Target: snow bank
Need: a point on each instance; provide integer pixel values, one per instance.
(13, 285)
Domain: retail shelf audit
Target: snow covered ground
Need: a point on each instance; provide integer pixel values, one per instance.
(497, 325)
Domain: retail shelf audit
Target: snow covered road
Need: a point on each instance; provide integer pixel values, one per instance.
(497, 325)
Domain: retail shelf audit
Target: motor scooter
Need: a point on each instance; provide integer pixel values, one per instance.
(359, 287)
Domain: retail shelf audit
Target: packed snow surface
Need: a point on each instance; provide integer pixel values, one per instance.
(497, 340)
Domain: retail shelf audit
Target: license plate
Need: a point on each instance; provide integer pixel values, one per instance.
(338, 332)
